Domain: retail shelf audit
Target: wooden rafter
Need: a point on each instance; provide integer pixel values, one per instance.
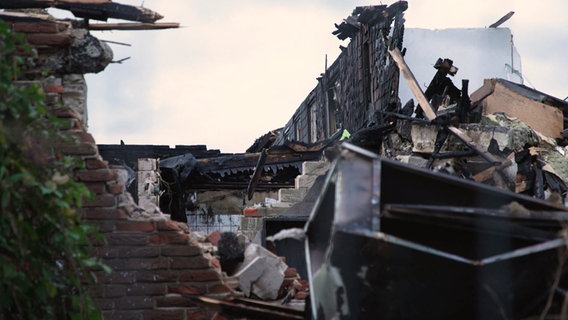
(89, 9)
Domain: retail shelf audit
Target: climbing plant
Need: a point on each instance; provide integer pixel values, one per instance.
(44, 245)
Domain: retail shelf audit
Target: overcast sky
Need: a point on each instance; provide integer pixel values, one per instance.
(237, 69)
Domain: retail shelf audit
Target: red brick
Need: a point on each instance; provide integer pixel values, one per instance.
(122, 315)
(290, 273)
(95, 164)
(197, 262)
(65, 112)
(157, 276)
(199, 275)
(104, 252)
(215, 263)
(51, 87)
(139, 264)
(77, 149)
(146, 289)
(181, 251)
(301, 285)
(182, 289)
(127, 238)
(140, 226)
(169, 238)
(49, 39)
(198, 314)
(165, 314)
(116, 277)
(96, 187)
(104, 304)
(114, 291)
(214, 237)
(138, 252)
(174, 300)
(168, 225)
(133, 303)
(104, 226)
(116, 188)
(95, 175)
(101, 201)
(219, 288)
(105, 214)
(84, 137)
(35, 27)
(301, 295)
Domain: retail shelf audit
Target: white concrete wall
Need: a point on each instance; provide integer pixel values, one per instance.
(479, 53)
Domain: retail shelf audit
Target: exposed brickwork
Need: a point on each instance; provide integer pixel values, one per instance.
(154, 260)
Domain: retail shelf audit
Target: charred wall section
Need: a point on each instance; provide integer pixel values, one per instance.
(362, 80)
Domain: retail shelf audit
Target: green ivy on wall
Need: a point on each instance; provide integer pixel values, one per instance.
(44, 245)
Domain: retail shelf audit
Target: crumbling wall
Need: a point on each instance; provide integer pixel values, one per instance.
(154, 260)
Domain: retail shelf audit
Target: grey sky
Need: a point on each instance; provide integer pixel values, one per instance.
(238, 69)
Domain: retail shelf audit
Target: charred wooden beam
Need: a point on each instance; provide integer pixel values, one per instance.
(256, 175)
(244, 161)
(132, 26)
(89, 9)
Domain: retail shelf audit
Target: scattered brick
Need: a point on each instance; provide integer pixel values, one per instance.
(214, 237)
(290, 273)
(168, 225)
(301, 295)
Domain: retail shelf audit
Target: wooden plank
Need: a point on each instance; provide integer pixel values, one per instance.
(256, 174)
(132, 26)
(540, 117)
(413, 84)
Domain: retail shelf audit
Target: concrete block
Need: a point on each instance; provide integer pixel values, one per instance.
(315, 167)
(292, 195)
(261, 273)
(413, 161)
(146, 164)
(305, 181)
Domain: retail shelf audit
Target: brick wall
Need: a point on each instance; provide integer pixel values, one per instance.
(154, 259)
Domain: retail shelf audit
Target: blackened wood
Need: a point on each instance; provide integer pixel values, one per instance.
(132, 26)
(257, 173)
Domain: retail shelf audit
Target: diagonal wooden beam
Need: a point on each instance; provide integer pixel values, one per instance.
(429, 111)
(413, 84)
(132, 26)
